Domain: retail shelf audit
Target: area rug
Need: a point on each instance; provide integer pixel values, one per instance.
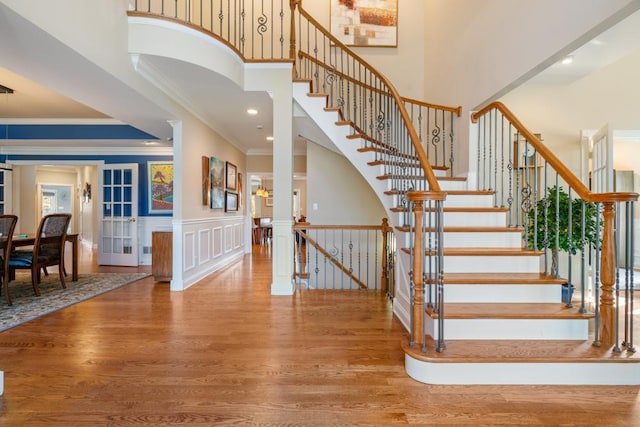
(26, 306)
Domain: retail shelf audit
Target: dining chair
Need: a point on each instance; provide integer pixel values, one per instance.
(48, 250)
(7, 226)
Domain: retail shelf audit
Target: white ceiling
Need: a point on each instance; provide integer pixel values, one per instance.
(222, 105)
(607, 48)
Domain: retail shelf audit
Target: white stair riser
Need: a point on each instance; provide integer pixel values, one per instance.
(466, 219)
(510, 329)
(502, 293)
(452, 185)
(468, 201)
(523, 373)
(477, 239)
(491, 264)
(483, 239)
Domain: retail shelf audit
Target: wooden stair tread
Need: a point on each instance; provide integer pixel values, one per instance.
(470, 192)
(406, 162)
(514, 310)
(458, 209)
(472, 229)
(448, 192)
(480, 251)
(489, 251)
(519, 351)
(439, 178)
(501, 278)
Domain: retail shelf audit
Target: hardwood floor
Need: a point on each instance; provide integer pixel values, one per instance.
(225, 352)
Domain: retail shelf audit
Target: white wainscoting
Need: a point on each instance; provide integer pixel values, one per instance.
(208, 244)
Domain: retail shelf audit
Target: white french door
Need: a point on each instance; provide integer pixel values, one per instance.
(117, 213)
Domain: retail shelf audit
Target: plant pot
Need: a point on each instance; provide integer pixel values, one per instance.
(567, 292)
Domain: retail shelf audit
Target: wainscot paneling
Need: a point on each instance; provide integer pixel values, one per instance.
(204, 246)
(210, 244)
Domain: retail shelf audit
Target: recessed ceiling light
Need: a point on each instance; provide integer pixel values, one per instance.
(269, 138)
(567, 60)
(252, 111)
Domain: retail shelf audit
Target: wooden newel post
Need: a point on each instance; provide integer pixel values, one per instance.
(384, 283)
(608, 277)
(292, 34)
(418, 273)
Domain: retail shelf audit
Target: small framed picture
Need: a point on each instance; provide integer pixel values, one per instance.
(231, 201)
(232, 176)
(160, 186)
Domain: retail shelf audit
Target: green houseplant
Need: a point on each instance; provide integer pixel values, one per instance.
(551, 217)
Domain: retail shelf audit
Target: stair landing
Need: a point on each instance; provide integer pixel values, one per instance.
(521, 362)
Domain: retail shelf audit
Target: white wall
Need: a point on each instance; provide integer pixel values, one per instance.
(476, 51)
(560, 112)
(403, 65)
(341, 194)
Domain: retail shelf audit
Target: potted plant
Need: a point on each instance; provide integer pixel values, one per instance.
(551, 217)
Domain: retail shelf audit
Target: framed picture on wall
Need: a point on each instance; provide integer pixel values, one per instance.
(268, 201)
(216, 177)
(365, 23)
(160, 186)
(239, 189)
(231, 201)
(206, 194)
(232, 176)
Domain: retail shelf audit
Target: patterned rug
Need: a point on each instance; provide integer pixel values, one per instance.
(26, 306)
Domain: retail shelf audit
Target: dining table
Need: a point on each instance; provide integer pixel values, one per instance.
(22, 240)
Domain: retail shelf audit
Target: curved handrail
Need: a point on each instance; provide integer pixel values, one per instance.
(570, 178)
(413, 135)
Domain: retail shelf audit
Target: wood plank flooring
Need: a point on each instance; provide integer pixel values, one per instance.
(225, 352)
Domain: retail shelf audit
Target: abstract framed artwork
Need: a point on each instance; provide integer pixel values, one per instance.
(232, 176)
(365, 23)
(216, 177)
(231, 201)
(160, 188)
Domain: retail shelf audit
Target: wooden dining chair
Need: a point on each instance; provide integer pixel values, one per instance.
(7, 227)
(48, 250)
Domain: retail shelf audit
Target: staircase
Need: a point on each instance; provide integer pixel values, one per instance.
(499, 320)
(505, 321)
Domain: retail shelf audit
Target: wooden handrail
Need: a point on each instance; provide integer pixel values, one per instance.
(457, 110)
(308, 226)
(415, 140)
(182, 22)
(314, 61)
(571, 180)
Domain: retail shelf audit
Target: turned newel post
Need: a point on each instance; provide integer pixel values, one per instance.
(608, 277)
(418, 274)
(385, 255)
(292, 34)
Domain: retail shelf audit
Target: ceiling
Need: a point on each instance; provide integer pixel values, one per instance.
(223, 105)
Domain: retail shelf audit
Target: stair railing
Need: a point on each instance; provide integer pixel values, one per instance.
(558, 213)
(255, 30)
(384, 123)
(368, 102)
(345, 257)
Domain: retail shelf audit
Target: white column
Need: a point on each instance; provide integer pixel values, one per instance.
(282, 254)
(276, 79)
(177, 281)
